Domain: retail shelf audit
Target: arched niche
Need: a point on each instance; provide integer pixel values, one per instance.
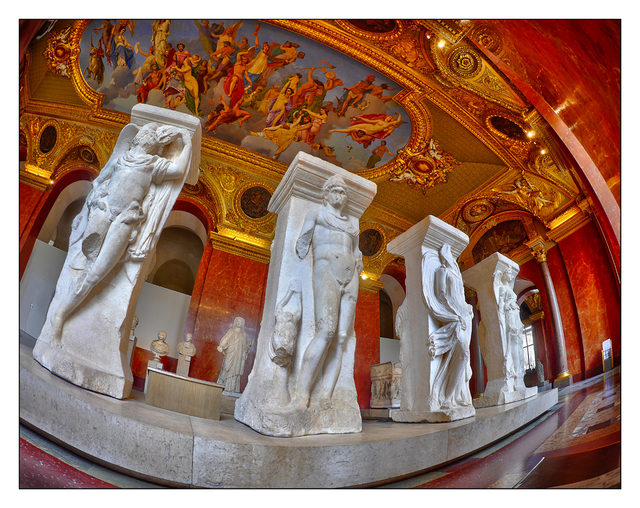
(72, 193)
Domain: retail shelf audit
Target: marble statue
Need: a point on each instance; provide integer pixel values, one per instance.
(434, 326)
(449, 343)
(302, 381)
(381, 378)
(511, 327)
(186, 350)
(111, 247)
(500, 331)
(337, 264)
(235, 347)
(539, 372)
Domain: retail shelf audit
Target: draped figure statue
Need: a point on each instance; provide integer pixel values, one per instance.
(511, 328)
(235, 347)
(443, 292)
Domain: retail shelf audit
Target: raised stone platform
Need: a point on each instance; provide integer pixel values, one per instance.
(180, 450)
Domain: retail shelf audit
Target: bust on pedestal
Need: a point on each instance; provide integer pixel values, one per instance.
(500, 331)
(186, 350)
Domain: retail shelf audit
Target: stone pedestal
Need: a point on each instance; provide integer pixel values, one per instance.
(502, 354)
(288, 319)
(90, 349)
(418, 402)
(184, 363)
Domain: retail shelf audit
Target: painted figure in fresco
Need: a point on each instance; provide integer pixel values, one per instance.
(155, 79)
(234, 82)
(235, 347)
(150, 59)
(284, 134)
(190, 83)
(377, 153)
(222, 57)
(161, 30)
(317, 121)
(308, 93)
(355, 93)
(103, 42)
(337, 264)
(229, 114)
(120, 49)
(280, 107)
(124, 206)
(379, 125)
(449, 344)
(378, 90)
(95, 69)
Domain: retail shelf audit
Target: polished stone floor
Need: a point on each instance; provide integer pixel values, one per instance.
(576, 444)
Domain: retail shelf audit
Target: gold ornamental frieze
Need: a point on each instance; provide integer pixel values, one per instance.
(60, 51)
(423, 170)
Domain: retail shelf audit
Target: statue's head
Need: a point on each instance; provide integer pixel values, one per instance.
(238, 322)
(334, 191)
(446, 257)
(189, 337)
(162, 335)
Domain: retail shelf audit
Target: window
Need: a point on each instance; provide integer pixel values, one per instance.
(529, 349)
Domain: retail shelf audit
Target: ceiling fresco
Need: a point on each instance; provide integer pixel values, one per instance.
(420, 107)
(254, 85)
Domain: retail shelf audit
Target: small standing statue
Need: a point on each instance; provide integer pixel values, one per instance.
(235, 347)
(186, 349)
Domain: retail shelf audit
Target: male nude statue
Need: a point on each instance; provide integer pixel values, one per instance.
(337, 263)
(124, 196)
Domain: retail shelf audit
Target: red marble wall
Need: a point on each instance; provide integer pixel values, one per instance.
(29, 197)
(233, 287)
(141, 358)
(597, 297)
(575, 65)
(367, 327)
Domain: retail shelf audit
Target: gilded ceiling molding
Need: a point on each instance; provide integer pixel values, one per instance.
(425, 169)
(228, 186)
(491, 221)
(32, 177)
(460, 63)
(205, 196)
(239, 248)
(373, 244)
(60, 51)
(534, 194)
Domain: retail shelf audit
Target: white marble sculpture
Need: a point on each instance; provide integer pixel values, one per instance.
(235, 347)
(500, 330)
(302, 380)
(85, 336)
(186, 351)
(435, 326)
(133, 340)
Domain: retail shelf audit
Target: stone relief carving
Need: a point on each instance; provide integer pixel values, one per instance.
(337, 264)
(511, 328)
(235, 347)
(499, 331)
(302, 381)
(443, 291)
(111, 246)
